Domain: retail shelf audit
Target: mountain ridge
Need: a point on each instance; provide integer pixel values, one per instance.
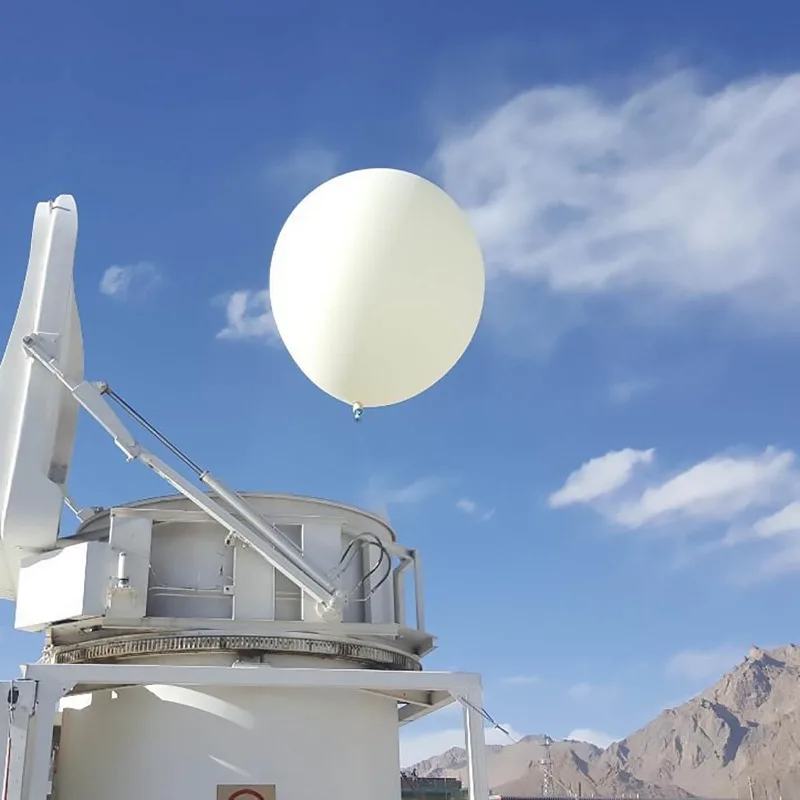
(744, 729)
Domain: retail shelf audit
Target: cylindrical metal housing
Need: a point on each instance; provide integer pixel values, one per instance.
(210, 601)
(167, 742)
(196, 571)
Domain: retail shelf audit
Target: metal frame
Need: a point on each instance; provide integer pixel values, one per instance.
(44, 685)
(255, 532)
(33, 700)
(239, 518)
(407, 558)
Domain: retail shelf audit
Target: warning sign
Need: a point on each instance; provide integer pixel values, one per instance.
(243, 792)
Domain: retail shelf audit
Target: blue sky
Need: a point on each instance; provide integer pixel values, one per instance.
(603, 488)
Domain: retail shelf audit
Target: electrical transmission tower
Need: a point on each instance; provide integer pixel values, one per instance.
(547, 769)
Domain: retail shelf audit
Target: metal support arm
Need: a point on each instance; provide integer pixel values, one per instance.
(267, 544)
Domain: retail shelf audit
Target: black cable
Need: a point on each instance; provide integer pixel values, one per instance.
(382, 580)
(348, 555)
(152, 430)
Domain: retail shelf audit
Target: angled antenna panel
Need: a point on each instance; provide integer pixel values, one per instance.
(38, 415)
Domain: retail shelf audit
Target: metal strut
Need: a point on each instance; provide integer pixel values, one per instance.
(248, 526)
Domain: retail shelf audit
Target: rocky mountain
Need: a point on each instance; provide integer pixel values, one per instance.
(744, 730)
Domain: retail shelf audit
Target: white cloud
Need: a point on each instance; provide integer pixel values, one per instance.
(785, 521)
(304, 168)
(379, 494)
(670, 193)
(598, 738)
(414, 492)
(704, 665)
(472, 509)
(719, 488)
(467, 506)
(416, 748)
(130, 280)
(580, 691)
(599, 477)
(625, 391)
(783, 556)
(782, 525)
(523, 680)
(753, 495)
(248, 316)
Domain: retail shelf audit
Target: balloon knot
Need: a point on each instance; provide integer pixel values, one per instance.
(358, 410)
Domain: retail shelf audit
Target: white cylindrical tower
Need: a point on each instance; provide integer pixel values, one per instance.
(163, 742)
(191, 595)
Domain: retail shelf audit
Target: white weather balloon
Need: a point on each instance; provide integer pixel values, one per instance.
(376, 284)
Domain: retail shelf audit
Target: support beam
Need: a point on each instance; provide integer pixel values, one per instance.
(476, 743)
(271, 548)
(410, 712)
(419, 692)
(36, 784)
(21, 701)
(89, 676)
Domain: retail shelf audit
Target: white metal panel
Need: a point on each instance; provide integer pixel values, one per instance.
(190, 567)
(254, 586)
(380, 606)
(70, 583)
(131, 536)
(355, 611)
(277, 508)
(288, 594)
(163, 742)
(322, 544)
(194, 576)
(38, 420)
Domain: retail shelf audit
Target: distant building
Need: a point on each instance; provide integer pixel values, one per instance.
(414, 787)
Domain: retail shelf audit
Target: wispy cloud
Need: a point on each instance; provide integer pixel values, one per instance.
(704, 665)
(718, 488)
(304, 168)
(130, 281)
(753, 496)
(778, 531)
(580, 691)
(622, 392)
(472, 509)
(669, 194)
(597, 738)
(381, 495)
(248, 316)
(600, 476)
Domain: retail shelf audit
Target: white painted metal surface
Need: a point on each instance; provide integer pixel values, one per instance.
(201, 694)
(183, 565)
(235, 652)
(163, 742)
(20, 697)
(262, 539)
(195, 574)
(38, 417)
(71, 583)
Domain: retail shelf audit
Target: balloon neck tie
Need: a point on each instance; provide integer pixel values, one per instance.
(358, 411)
